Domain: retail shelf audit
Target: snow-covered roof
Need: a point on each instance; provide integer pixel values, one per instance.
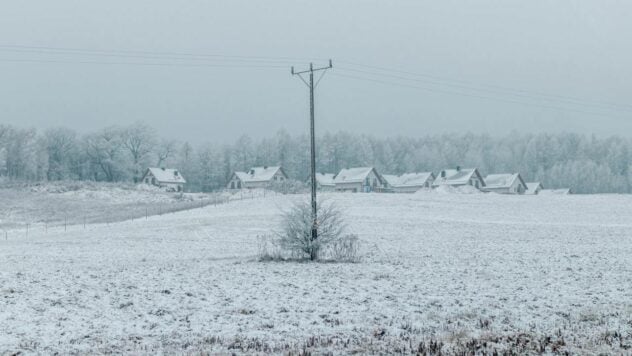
(353, 175)
(408, 179)
(325, 178)
(533, 186)
(167, 175)
(259, 174)
(503, 180)
(457, 177)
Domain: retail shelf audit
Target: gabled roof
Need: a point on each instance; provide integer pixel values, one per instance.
(457, 177)
(259, 174)
(493, 181)
(166, 175)
(408, 179)
(354, 175)
(325, 178)
(532, 186)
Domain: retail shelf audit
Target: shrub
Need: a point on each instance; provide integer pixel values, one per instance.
(294, 240)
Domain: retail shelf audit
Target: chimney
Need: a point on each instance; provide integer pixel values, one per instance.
(458, 168)
(175, 173)
(163, 168)
(252, 172)
(442, 174)
(265, 167)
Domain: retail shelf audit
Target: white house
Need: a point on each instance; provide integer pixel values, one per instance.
(325, 181)
(459, 177)
(505, 183)
(534, 188)
(361, 179)
(409, 182)
(256, 177)
(164, 178)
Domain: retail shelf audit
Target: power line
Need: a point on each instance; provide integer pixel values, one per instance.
(493, 91)
(154, 64)
(462, 82)
(468, 94)
(70, 50)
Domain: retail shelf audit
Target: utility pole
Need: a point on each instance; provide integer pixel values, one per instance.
(311, 85)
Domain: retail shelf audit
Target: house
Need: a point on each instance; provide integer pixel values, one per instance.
(361, 179)
(459, 177)
(256, 177)
(325, 182)
(505, 184)
(562, 191)
(167, 178)
(409, 182)
(533, 188)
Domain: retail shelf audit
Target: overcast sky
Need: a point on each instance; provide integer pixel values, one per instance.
(400, 67)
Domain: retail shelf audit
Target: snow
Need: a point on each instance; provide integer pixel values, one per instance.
(258, 174)
(455, 177)
(446, 267)
(408, 179)
(500, 180)
(167, 175)
(325, 179)
(352, 175)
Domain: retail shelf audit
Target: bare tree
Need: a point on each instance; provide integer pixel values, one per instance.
(138, 140)
(165, 150)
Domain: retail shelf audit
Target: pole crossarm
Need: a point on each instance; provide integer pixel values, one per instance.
(311, 86)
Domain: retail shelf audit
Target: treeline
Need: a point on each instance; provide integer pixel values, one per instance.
(586, 164)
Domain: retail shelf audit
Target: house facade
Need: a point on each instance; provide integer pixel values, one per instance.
(534, 188)
(505, 184)
(459, 177)
(256, 177)
(359, 180)
(409, 182)
(167, 178)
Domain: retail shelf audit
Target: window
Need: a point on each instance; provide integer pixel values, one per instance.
(153, 181)
(232, 185)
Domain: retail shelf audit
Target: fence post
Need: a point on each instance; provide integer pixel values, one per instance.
(65, 223)
(84, 222)
(27, 230)
(146, 212)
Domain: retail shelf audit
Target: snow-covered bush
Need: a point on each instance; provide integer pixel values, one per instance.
(294, 239)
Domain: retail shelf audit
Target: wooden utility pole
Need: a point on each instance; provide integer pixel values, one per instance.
(311, 85)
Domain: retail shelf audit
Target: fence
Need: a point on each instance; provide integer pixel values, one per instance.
(113, 214)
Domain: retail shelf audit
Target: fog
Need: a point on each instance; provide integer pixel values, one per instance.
(213, 70)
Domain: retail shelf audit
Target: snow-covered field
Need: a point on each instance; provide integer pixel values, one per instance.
(56, 203)
(439, 271)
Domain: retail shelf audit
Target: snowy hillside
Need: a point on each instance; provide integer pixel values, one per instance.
(56, 202)
(439, 270)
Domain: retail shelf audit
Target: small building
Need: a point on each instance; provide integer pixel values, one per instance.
(459, 177)
(359, 180)
(561, 191)
(167, 178)
(256, 177)
(505, 184)
(325, 182)
(409, 182)
(534, 188)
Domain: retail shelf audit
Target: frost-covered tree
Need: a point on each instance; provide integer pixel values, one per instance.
(138, 140)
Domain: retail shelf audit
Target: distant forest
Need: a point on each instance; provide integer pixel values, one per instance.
(586, 164)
